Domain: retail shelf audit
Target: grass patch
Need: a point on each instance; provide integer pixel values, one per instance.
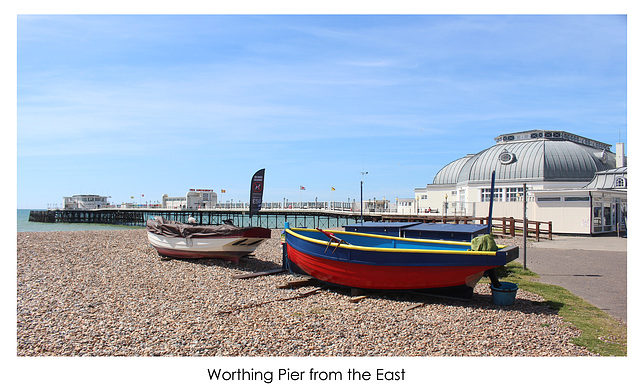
(601, 333)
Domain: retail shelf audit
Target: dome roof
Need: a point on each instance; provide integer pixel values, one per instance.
(539, 159)
(449, 174)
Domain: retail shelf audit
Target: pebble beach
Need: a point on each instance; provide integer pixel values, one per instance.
(108, 293)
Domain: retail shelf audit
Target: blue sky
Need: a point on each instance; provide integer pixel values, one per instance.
(133, 104)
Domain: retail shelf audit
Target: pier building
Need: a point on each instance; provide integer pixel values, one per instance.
(85, 202)
(195, 198)
(573, 181)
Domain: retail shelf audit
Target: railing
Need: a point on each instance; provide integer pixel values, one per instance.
(511, 227)
(305, 205)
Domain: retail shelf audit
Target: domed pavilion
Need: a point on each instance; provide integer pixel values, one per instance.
(559, 169)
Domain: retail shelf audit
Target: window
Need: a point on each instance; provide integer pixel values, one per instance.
(486, 194)
(512, 193)
(620, 182)
(550, 199)
(576, 198)
(506, 157)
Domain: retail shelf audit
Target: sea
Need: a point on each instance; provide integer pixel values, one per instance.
(25, 225)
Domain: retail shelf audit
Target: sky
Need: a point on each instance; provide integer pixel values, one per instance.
(132, 105)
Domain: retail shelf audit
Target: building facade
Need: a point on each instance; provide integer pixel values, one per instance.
(564, 175)
(194, 199)
(85, 202)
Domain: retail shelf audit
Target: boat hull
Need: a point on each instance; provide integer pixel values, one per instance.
(385, 277)
(408, 265)
(227, 248)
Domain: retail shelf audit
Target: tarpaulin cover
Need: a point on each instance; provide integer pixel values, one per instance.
(168, 228)
(485, 242)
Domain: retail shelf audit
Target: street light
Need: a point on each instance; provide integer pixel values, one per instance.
(446, 196)
(361, 197)
(525, 224)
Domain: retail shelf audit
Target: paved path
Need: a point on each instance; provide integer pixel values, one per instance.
(594, 268)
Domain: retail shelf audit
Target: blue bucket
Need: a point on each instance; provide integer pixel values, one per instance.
(504, 295)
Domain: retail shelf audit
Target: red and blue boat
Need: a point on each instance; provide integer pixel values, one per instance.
(380, 262)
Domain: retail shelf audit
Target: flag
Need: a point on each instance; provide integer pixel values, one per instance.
(132, 197)
(301, 188)
(223, 191)
(257, 187)
(333, 189)
(142, 195)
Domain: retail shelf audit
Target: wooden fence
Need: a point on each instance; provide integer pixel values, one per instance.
(511, 227)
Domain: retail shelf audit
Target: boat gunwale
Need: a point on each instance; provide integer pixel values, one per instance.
(391, 250)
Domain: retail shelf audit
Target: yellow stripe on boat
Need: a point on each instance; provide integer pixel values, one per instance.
(391, 250)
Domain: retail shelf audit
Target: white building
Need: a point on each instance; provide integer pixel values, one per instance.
(598, 207)
(194, 199)
(576, 183)
(85, 202)
(406, 206)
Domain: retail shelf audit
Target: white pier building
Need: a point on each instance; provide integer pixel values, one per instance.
(195, 198)
(85, 202)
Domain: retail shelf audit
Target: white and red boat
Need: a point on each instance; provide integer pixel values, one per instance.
(188, 241)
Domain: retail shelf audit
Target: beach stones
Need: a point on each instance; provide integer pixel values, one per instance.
(108, 293)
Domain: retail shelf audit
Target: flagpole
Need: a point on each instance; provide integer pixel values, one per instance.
(361, 197)
(331, 203)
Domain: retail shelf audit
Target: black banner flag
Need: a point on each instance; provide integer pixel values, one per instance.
(257, 186)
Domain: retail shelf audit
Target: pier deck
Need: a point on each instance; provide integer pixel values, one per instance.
(275, 219)
(270, 219)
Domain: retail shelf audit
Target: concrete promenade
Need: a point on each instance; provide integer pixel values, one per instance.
(594, 268)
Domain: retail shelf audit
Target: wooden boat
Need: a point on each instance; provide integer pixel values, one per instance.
(189, 241)
(370, 261)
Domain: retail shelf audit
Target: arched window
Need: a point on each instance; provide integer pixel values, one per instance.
(621, 182)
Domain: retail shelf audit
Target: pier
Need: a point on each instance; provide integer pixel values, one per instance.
(270, 219)
(275, 218)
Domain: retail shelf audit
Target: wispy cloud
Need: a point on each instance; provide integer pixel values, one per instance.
(202, 90)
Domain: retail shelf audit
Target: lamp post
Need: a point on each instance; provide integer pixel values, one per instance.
(446, 196)
(361, 197)
(525, 224)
